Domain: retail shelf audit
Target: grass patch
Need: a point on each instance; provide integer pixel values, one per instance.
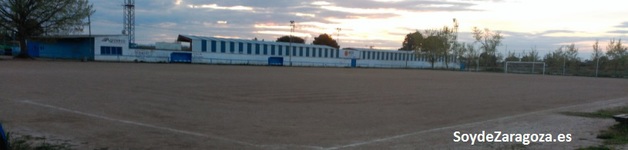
(616, 134)
(28, 142)
(604, 113)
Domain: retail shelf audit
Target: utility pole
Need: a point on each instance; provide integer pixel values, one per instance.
(290, 49)
(597, 65)
(338, 37)
(564, 63)
(89, 22)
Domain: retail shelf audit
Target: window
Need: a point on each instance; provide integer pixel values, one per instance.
(249, 48)
(294, 51)
(241, 47)
(213, 46)
(108, 50)
(231, 47)
(223, 47)
(307, 52)
(272, 50)
(256, 49)
(326, 52)
(301, 51)
(265, 49)
(320, 53)
(105, 50)
(204, 46)
(280, 50)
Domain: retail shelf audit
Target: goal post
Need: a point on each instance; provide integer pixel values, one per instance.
(524, 67)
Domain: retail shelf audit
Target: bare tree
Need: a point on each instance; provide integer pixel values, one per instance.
(459, 49)
(472, 55)
(617, 54)
(489, 40)
(532, 55)
(597, 53)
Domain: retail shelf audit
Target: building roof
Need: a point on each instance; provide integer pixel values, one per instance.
(190, 38)
(70, 36)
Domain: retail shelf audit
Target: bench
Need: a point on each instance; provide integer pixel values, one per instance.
(621, 118)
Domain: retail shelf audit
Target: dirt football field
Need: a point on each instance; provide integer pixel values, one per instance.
(184, 106)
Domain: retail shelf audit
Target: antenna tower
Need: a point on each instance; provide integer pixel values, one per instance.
(129, 20)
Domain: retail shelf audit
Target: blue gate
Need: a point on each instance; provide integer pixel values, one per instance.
(353, 63)
(33, 49)
(275, 61)
(181, 57)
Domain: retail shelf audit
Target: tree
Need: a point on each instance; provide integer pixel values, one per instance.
(325, 39)
(294, 39)
(618, 55)
(434, 45)
(597, 53)
(412, 41)
(563, 58)
(554, 60)
(449, 35)
(459, 49)
(472, 55)
(531, 56)
(511, 57)
(572, 59)
(28, 18)
(489, 40)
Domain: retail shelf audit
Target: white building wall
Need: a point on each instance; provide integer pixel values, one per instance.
(336, 58)
(110, 41)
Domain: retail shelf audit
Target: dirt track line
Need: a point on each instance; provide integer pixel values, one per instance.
(611, 101)
(139, 123)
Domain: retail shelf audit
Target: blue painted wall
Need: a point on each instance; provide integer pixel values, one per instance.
(75, 48)
(181, 57)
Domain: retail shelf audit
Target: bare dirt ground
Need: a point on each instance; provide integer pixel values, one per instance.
(179, 106)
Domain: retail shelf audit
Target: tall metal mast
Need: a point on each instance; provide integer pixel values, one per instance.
(129, 20)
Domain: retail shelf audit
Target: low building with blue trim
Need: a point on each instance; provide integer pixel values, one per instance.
(213, 50)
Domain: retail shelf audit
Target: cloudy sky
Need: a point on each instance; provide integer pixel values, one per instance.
(526, 24)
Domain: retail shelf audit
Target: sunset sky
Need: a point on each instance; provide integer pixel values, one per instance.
(544, 24)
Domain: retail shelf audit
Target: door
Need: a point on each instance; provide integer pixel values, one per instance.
(354, 63)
